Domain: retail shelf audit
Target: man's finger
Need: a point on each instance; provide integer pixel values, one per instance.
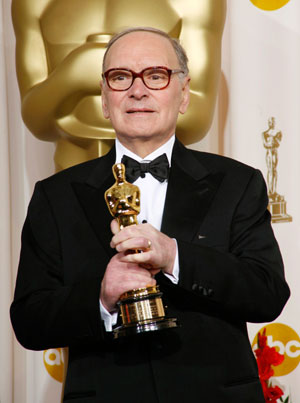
(139, 258)
(114, 226)
(140, 243)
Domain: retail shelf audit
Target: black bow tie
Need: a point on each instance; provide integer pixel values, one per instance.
(158, 168)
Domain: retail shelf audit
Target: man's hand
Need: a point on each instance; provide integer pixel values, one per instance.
(127, 271)
(159, 250)
(120, 277)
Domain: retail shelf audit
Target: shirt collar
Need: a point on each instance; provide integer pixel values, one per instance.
(166, 148)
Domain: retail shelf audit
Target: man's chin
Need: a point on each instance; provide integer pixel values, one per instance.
(138, 129)
(138, 134)
(156, 138)
(141, 120)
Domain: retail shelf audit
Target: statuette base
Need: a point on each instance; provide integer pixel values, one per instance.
(277, 209)
(142, 311)
(131, 330)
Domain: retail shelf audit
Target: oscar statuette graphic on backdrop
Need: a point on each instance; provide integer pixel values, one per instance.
(277, 204)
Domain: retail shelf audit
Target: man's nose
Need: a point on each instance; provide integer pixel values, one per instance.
(138, 89)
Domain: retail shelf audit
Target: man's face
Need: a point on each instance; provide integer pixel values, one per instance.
(140, 113)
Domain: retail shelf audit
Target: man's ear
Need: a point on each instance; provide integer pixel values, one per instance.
(185, 99)
(104, 101)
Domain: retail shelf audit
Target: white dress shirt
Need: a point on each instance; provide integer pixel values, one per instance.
(152, 201)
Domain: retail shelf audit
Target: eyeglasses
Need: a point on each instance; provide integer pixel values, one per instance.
(154, 78)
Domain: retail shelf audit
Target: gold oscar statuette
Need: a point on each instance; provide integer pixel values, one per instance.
(141, 309)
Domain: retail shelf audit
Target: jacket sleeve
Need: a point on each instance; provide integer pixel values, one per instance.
(243, 280)
(47, 313)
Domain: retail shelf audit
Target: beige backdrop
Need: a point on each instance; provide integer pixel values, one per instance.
(260, 79)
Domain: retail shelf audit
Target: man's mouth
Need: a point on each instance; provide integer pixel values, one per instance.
(139, 110)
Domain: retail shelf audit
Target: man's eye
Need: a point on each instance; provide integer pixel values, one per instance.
(155, 77)
(120, 77)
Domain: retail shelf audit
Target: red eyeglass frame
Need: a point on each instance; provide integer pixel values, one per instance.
(140, 75)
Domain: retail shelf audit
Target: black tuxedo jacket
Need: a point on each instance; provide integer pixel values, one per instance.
(231, 273)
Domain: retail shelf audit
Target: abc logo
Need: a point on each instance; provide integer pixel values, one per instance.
(287, 342)
(269, 5)
(54, 363)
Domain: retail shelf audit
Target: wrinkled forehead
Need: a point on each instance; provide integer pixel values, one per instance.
(141, 49)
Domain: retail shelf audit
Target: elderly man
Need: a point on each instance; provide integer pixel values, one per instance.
(212, 252)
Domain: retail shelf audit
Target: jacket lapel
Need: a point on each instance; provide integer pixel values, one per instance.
(191, 189)
(90, 194)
